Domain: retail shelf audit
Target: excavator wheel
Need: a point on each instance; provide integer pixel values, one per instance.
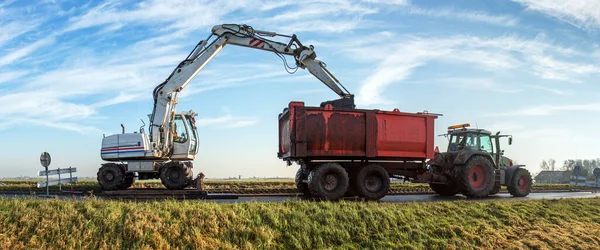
(128, 182)
(175, 175)
(476, 178)
(520, 183)
(111, 176)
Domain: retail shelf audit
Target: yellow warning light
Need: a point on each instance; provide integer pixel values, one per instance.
(464, 125)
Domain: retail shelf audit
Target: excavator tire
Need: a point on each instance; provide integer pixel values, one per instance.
(128, 182)
(301, 175)
(520, 183)
(111, 176)
(175, 176)
(372, 182)
(328, 181)
(476, 178)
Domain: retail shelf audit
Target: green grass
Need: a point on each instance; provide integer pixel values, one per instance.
(97, 224)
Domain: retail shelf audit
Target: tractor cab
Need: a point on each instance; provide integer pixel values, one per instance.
(461, 137)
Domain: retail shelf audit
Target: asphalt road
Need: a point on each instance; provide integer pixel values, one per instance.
(389, 198)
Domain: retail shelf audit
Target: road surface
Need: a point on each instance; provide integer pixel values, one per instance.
(389, 198)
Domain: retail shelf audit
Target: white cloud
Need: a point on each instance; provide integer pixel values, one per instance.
(397, 57)
(227, 121)
(22, 52)
(11, 75)
(474, 16)
(551, 90)
(477, 83)
(545, 110)
(583, 14)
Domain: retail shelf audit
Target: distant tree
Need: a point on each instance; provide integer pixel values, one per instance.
(552, 164)
(544, 165)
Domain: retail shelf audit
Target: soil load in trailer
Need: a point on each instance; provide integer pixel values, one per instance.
(349, 152)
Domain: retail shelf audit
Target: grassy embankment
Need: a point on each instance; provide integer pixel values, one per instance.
(51, 224)
(239, 186)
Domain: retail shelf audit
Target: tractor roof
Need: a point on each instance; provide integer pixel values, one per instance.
(469, 130)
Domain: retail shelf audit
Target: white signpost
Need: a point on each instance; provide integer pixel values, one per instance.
(45, 161)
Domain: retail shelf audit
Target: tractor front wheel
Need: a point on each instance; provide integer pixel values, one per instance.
(520, 183)
(476, 178)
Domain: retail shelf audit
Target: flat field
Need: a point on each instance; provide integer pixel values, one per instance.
(101, 224)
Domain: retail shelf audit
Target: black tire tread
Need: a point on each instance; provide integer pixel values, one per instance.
(119, 176)
(512, 186)
(314, 181)
(361, 190)
(462, 177)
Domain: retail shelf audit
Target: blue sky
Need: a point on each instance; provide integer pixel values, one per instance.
(71, 71)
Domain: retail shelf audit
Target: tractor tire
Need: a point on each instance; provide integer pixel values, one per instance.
(496, 189)
(328, 181)
(176, 176)
(128, 181)
(372, 182)
(111, 176)
(302, 174)
(476, 178)
(520, 183)
(445, 189)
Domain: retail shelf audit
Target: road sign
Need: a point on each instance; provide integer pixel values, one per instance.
(597, 172)
(45, 159)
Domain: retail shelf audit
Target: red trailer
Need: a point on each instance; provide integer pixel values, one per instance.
(354, 152)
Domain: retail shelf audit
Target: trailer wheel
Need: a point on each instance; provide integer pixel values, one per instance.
(372, 182)
(328, 181)
(476, 178)
(302, 174)
(111, 176)
(520, 183)
(175, 176)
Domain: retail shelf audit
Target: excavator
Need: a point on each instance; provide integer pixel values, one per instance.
(167, 151)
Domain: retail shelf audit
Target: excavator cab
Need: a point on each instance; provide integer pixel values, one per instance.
(185, 136)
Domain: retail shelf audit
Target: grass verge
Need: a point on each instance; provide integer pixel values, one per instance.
(83, 224)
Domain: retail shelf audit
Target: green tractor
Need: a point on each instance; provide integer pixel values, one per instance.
(476, 167)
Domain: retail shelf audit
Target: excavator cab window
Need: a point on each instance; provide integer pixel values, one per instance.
(180, 133)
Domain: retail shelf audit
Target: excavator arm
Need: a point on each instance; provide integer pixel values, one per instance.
(165, 94)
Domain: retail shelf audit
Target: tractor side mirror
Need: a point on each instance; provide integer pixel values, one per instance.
(509, 140)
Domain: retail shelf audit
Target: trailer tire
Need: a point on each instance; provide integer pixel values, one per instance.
(372, 182)
(111, 176)
(520, 183)
(328, 181)
(302, 174)
(476, 178)
(175, 176)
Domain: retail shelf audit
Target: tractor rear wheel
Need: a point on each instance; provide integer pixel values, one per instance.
(175, 176)
(476, 178)
(111, 176)
(301, 175)
(444, 189)
(372, 182)
(328, 181)
(520, 183)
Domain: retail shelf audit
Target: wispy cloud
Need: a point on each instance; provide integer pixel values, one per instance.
(226, 121)
(545, 110)
(582, 14)
(551, 90)
(474, 16)
(397, 57)
(477, 83)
